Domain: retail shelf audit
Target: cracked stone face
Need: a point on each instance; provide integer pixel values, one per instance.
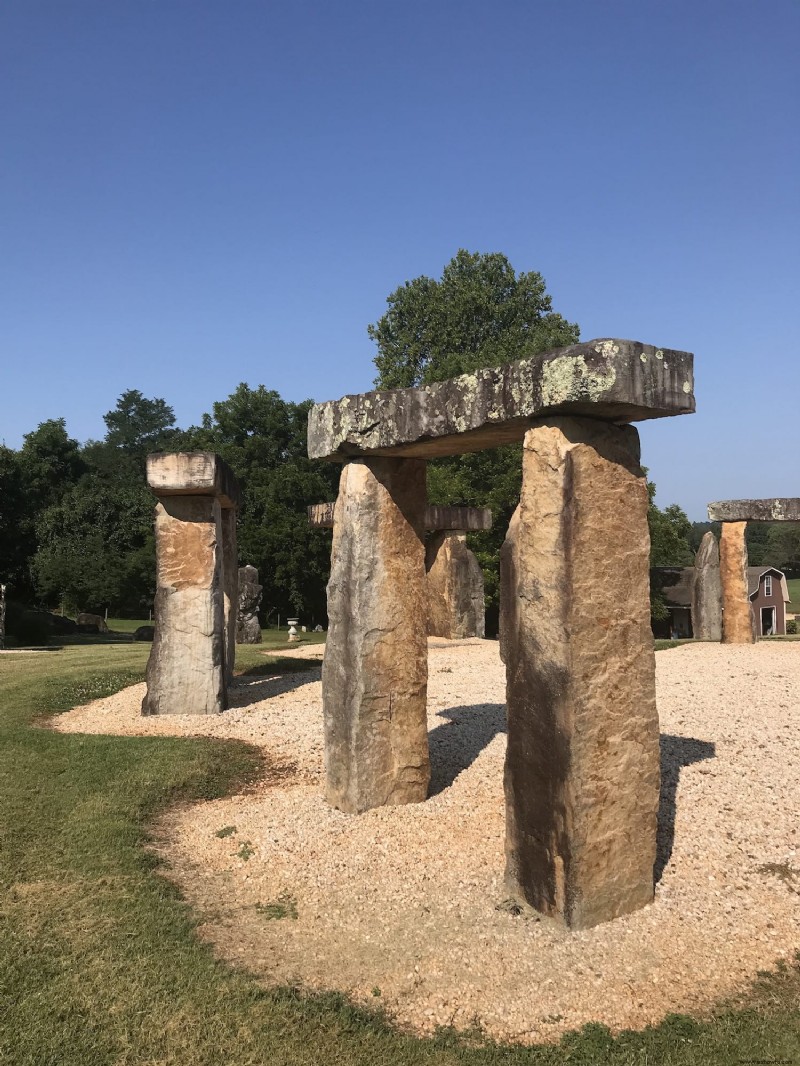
(738, 621)
(582, 766)
(374, 676)
(455, 588)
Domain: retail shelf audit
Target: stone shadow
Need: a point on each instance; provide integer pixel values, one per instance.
(457, 743)
(676, 752)
(262, 682)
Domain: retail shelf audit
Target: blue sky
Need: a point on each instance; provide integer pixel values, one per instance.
(198, 193)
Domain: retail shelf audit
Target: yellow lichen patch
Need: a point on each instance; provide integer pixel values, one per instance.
(569, 378)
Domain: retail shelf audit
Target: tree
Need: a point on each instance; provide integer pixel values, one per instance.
(138, 425)
(263, 438)
(480, 313)
(783, 546)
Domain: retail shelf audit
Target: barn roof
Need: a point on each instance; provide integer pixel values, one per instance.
(754, 575)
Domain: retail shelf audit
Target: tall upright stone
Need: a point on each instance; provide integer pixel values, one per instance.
(374, 676)
(248, 631)
(738, 623)
(455, 587)
(707, 591)
(191, 658)
(582, 767)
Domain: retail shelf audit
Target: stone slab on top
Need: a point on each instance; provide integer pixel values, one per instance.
(192, 474)
(783, 509)
(608, 379)
(437, 517)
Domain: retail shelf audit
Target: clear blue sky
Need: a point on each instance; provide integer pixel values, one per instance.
(198, 193)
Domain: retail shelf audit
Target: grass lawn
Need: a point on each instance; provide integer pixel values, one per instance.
(98, 958)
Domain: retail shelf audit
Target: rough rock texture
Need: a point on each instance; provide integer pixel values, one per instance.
(248, 631)
(617, 380)
(455, 588)
(86, 619)
(437, 517)
(230, 586)
(738, 622)
(374, 680)
(707, 591)
(785, 509)
(192, 474)
(582, 766)
(186, 668)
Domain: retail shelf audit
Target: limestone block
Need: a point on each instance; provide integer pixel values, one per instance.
(616, 380)
(437, 517)
(248, 630)
(186, 669)
(192, 474)
(582, 767)
(782, 509)
(455, 588)
(230, 586)
(707, 591)
(738, 623)
(374, 676)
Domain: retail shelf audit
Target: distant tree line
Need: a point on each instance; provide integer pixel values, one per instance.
(76, 521)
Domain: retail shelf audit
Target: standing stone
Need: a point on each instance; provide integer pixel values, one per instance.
(738, 623)
(230, 587)
(582, 765)
(186, 668)
(707, 591)
(455, 587)
(248, 631)
(374, 676)
(2, 616)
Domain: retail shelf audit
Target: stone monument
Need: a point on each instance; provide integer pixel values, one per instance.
(582, 771)
(738, 621)
(707, 591)
(191, 661)
(248, 630)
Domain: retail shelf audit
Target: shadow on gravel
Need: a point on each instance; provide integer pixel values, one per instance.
(456, 744)
(272, 679)
(676, 752)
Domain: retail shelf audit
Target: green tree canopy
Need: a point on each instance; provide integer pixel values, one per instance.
(138, 425)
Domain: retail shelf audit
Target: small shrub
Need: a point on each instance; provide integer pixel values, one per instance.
(27, 626)
(226, 831)
(245, 850)
(791, 627)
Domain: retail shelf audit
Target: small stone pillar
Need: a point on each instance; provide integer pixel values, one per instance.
(230, 586)
(455, 587)
(192, 654)
(707, 591)
(582, 766)
(375, 672)
(248, 631)
(738, 623)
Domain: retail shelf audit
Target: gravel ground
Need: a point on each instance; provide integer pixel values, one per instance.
(402, 906)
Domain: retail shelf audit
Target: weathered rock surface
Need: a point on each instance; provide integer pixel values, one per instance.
(616, 380)
(437, 517)
(738, 622)
(582, 765)
(144, 633)
(186, 668)
(374, 679)
(455, 588)
(87, 619)
(192, 474)
(784, 509)
(248, 631)
(230, 586)
(707, 591)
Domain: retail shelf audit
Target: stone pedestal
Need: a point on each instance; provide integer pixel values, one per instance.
(707, 591)
(455, 587)
(738, 623)
(582, 769)
(374, 677)
(191, 661)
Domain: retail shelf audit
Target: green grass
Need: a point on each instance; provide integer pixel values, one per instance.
(99, 962)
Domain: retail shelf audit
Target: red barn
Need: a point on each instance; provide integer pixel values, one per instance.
(769, 595)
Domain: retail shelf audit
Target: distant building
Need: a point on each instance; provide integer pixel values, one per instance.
(769, 595)
(766, 587)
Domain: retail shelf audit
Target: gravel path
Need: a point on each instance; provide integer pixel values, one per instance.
(406, 902)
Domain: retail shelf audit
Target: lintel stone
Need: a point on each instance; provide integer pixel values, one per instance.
(783, 509)
(613, 380)
(192, 474)
(437, 517)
